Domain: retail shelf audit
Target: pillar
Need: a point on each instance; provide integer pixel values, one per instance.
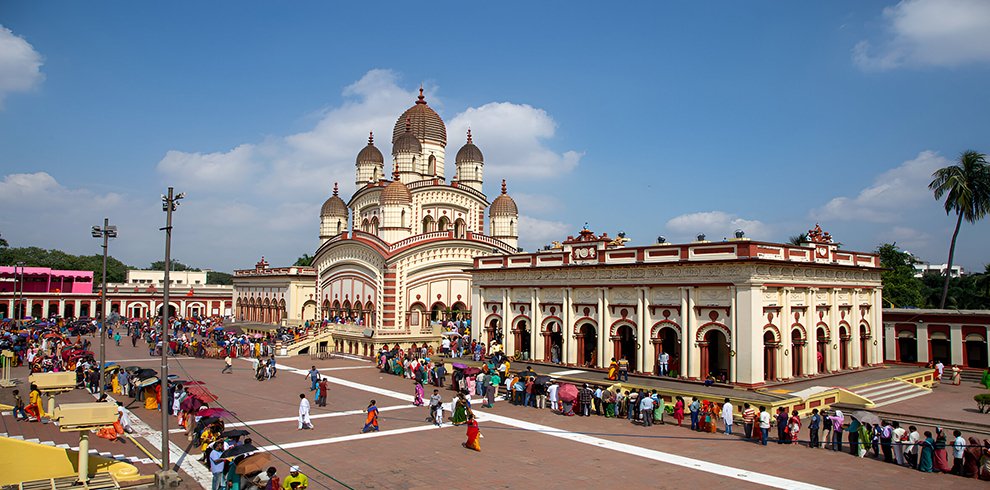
(877, 326)
(688, 337)
(784, 368)
(536, 345)
(508, 342)
(694, 359)
(955, 344)
(832, 352)
(922, 339)
(854, 335)
(644, 349)
(44, 308)
(733, 337)
(603, 333)
(477, 314)
(749, 347)
(570, 344)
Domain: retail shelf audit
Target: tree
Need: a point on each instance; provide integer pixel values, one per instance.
(214, 277)
(3, 243)
(159, 265)
(900, 287)
(798, 239)
(983, 281)
(966, 187)
(306, 260)
(57, 259)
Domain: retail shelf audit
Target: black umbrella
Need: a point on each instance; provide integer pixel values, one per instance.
(206, 421)
(237, 451)
(235, 433)
(542, 379)
(146, 373)
(133, 369)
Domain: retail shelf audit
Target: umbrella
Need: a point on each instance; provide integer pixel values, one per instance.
(133, 369)
(458, 365)
(237, 451)
(471, 371)
(190, 404)
(257, 336)
(206, 421)
(146, 373)
(451, 334)
(51, 335)
(148, 382)
(567, 392)
(234, 432)
(200, 391)
(865, 417)
(542, 379)
(254, 463)
(215, 412)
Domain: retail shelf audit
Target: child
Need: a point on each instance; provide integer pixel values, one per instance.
(19, 407)
(436, 409)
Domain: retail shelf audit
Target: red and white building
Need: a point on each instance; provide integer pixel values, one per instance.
(954, 337)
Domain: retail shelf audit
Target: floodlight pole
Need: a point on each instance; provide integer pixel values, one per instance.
(106, 232)
(166, 477)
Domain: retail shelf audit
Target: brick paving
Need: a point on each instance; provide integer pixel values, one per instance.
(512, 457)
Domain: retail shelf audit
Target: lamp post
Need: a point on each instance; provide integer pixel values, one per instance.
(106, 233)
(20, 293)
(167, 477)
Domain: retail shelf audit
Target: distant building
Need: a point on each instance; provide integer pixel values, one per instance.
(913, 335)
(178, 278)
(922, 269)
(275, 295)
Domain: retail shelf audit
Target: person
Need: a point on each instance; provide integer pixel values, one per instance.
(584, 396)
(436, 409)
(324, 389)
(528, 391)
(646, 406)
(958, 451)
(295, 480)
(270, 482)
(304, 421)
(35, 409)
(228, 365)
(314, 378)
(926, 460)
(460, 414)
(124, 418)
(813, 428)
(886, 433)
(727, 416)
(748, 416)
(679, 410)
(660, 408)
(941, 463)
(837, 420)
(116, 338)
(694, 408)
(956, 375)
(551, 395)
(613, 370)
(794, 426)
(19, 412)
(662, 360)
(898, 437)
(971, 459)
(623, 369)
(911, 452)
(473, 434)
(764, 422)
(939, 370)
(418, 399)
(216, 466)
(371, 423)
(782, 419)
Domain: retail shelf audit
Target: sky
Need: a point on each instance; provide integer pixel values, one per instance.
(652, 118)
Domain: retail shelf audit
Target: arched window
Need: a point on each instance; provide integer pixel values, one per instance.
(339, 227)
(374, 225)
(512, 228)
(459, 228)
(365, 226)
(428, 224)
(431, 167)
(443, 224)
(402, 219)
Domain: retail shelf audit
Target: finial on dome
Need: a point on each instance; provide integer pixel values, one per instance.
(335, 188)
(469, 136)
(421, 99)
(503, 186)
(371, 138)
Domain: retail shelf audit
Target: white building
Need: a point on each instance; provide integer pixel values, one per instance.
(922, 269)
(177, 278)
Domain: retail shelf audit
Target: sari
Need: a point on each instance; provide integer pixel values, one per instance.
(679, 411)
(473, 436)
(941, 459)
(927, 455)
(114, 385)
(35, 408)
(151, 398)
(418, 401)
(460, 413)
(658, 410)
(794, 425)
(971, 459)
(371, 423)
(613, 371)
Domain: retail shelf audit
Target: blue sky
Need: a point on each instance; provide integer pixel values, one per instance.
(652, 118)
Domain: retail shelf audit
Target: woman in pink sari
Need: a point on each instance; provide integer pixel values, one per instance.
(794, 426)
(418, 401)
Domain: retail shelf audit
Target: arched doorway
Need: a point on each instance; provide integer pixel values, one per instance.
(36, 310)
(459, 311)
(769, 356)
(437, 312)
(940, 350)
(715, 355)
(975, 351)
(171, 310)
(821, 338)
(624, 345)
(494, 331)
(587, 344)
(797, 353)
(843, 348)
(907, 346)
(553, 342)
(667, 341)
(864, 345)
(522, 339)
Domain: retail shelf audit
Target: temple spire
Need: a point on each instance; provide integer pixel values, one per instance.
(371, 138)
(335, 188)
(421, 99)
(469, 136)
(503, 186)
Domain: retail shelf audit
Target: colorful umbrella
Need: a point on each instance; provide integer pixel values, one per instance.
(254, 463)
(567, 392)
(200, 391)
(215, 412)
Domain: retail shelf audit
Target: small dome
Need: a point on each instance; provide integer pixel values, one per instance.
(407, 143)
(370, 153)
(395, 192)
(503, 205)
(426, 123)
(334, 206)
(469, 152)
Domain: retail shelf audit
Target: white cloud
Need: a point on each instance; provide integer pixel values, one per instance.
(534, 233)
(893, 192)
(513, 138)
(18, 191)
(928, 32)
(20, 64)
(715, 225)
(206, 170)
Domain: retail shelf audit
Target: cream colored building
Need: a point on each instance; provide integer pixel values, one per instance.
(749, 311)
(177, 278)
(392, 259)
(275, 295)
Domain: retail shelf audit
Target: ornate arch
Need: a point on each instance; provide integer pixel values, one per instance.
(844, 323)
(773, 330)
(581, 321)
(546, 324)
(828, 331)
(869, 331)
(799, 327)
(490, 317)
(662, 324)
(704, 329)
(613, 330)
(519, 318)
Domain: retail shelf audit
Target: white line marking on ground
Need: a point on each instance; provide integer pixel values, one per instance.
(345, 356)
(346, 368)
(567, 373)
(351, 437)
(296, 418)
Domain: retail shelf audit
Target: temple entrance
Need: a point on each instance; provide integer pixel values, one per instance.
(843, 348)
(522, 337)
(494, 332)
(907, 347)
(553, 347)
(797, 353)
(716, 353)
(171, 311)
(822, 353)
(70, 310)
(625, 345)
(587, 341)
(864, 345)
(769, 356)
(667, 341)
(940, 348)
(976, 351)
(36, 310)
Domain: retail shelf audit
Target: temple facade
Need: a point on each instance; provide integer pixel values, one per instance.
(745, 312)
(391, 265)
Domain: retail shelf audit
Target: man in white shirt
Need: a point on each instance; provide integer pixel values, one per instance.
(662, 360)
(958, 449)
(940, 368)
(304, 420)
(552, 395)
(911, 451)
(727, 416)
(124, 417)
(764, 425)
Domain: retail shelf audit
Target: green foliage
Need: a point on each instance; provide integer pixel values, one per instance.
(306, 260)
(982, 402)
(798, 239)
(900, 288)
(57, 259)
(3, 243)
(213, 277)
(159, 265)
(965, 293)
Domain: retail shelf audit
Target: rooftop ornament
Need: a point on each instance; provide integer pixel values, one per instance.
(816, 235)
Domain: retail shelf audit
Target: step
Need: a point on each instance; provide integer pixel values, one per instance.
(879, 389)
(899, 399)
(888, 396)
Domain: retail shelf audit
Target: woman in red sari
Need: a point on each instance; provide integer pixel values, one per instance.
(473, 434)
(679, 411)
(794, 426)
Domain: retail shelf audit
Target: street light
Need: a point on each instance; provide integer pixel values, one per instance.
(20, 292)
(170, 202)
(106, 233)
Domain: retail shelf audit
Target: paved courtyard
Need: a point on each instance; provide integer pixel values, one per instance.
(522, 447)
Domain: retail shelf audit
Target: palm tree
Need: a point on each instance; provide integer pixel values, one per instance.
(798, 239)
(966, 187)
